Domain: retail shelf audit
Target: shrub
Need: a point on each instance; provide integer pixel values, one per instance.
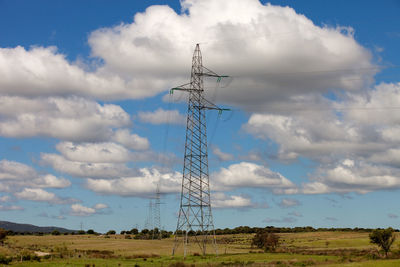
(5, 260)
(267, 241)
(90, 232)
(55, 232)
(384, 238)
(111, 232)
(3, 235)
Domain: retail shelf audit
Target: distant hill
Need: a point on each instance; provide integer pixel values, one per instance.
(18, 227)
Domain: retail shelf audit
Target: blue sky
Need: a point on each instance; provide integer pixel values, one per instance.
(87, 127)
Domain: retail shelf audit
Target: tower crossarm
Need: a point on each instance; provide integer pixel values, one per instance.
(209, 73)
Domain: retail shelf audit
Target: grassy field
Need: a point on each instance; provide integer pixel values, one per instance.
(296, 249)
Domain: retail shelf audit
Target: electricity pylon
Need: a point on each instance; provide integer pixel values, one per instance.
(195, 219)
(149, 220)
(157, 214)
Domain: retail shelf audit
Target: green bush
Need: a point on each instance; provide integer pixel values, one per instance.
(267, 241)
(4, 259)
(55, 232)
(384, 238)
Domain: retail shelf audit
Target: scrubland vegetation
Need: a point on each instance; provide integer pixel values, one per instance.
(267, 247)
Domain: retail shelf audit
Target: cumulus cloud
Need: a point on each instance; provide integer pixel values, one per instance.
(256, 47)
(45, 215)
(273, 67)
(295, 213)
(354, 141)
(223, 201)
(71, 118)
(316, 135)
(246, 174)
(82, 211)
(143, 184)
(101, 160)
(10, 208)
(43, 71)
(4, 198)
(222, 156)
(131, 141)
(161, 116)
(94, 152)
(40, 195)
(100, 206)
(15, 175)
(353, 176)
(85, 169)
(289, 202)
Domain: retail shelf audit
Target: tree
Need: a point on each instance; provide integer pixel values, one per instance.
(111, 232)
(55, 232)
(265, 240)
(90, 232)
(3, 235)
(384, 238)
(134, 231)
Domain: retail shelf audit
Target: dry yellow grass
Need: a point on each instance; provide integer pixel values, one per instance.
(116, 243)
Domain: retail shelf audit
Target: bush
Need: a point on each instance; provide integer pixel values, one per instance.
(4, 259)
(267, 241)
(111, 232)
(55, 232)
(90, 232)
(3, 235)
(384, 238)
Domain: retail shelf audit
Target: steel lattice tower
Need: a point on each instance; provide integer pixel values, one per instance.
(157, 214)
(149, 220)
(195, 221)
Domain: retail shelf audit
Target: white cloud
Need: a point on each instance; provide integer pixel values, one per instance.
(132, 141)
(101, 160)
(100, 206)
(15, 175)
(94, 152)
(246, 174)
(273, 52)
(4, 198)
(83, 211)
(222, 156)
(289, 202)
(295, 213)
(361, 177)
(71, 118)
(161, 116)
(57, 217)
(38, 194)
(354, 140)
(43, 71)
(316, 135)
(143, 184)
(256, 47)
(79, 210)
(223, 201)
(10, 208)
(85, 169)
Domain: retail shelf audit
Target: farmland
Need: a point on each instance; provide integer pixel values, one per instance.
(296, 249)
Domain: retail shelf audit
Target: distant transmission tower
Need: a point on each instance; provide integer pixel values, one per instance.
(157, 214)
(149, 220)
(195, 221)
